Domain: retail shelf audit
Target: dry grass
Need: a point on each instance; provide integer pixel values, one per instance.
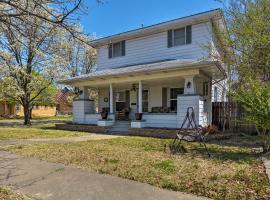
(231, 172)
(6, 194)
(37, 131)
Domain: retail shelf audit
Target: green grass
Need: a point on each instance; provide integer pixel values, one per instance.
(231, 172)
(36, 131)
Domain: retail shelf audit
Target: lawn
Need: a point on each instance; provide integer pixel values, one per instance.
(35, 131)
(231, 173)
(36, 119)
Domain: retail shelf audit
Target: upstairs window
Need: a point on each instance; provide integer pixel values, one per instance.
(180, 36)
(117, 49)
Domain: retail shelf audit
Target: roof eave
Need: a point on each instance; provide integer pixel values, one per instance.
(79, 79)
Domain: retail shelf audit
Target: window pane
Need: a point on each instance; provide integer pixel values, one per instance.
(175, 92)
(179, 36)
(173, 105)
(120, 96)
(117, 49)
(145, 101)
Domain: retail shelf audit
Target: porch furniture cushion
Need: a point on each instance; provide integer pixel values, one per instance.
(161, 109)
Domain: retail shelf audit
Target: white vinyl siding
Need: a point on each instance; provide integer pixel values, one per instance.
(154, 48)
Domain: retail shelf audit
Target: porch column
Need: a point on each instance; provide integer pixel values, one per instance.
(111, 98)
(140, 96)
(190, 87)
(84, 95)
(82, 106)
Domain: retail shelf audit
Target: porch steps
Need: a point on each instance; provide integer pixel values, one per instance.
(120, 126)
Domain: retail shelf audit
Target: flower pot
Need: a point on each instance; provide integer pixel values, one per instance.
(138, 116)
(104, 115)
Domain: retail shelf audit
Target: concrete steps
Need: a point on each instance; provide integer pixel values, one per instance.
(120, 126)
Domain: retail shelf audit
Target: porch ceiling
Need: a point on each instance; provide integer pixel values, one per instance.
(146, 72)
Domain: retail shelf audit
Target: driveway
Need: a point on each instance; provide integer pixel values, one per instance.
(44, 180)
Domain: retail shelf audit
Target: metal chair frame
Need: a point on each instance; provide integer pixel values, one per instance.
(192, 130)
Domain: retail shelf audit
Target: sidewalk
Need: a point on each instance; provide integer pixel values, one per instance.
(43, 180)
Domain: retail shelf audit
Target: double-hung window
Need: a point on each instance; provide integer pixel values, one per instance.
(180, 36)
(117, 49)
(173, 97)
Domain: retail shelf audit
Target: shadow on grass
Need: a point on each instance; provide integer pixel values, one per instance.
(223, 153)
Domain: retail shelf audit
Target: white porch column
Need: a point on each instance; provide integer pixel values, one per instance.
(190, 98)
(190, 87)
(140, 97)
(111, 98)
(84, 93)
(82, 106)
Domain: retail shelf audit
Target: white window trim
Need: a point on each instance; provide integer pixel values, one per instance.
(173, 45)
(173, 37)
(120, 50)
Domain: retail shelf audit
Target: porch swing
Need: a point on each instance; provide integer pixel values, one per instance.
(191, 133)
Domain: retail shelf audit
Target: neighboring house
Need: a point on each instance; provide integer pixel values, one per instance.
(159, 70)
(7, 109)
(64, 105)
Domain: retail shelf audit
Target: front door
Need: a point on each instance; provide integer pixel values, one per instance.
(122, 101)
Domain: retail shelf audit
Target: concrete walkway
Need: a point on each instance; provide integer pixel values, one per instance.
(43, 180)
(4, 143)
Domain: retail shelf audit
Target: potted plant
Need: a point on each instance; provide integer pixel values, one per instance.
(104, 113)
(138, 116)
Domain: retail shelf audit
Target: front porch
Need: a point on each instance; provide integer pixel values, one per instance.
(163, 101)
(160, 91)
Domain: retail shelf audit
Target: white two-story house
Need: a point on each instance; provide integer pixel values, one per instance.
(159, 70)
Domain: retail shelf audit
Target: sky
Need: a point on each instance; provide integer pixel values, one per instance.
(116, 16)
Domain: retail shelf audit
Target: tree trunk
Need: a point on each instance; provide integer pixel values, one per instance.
(27, 113)
(31, 109)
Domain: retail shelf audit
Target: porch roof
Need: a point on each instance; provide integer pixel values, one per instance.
(161, 66)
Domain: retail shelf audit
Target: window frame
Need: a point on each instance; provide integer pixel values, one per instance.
(215, 94)
(173, 36)
(111, 45)
(205, 88)
(170, 99)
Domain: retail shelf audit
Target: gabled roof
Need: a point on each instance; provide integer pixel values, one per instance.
(142, 68)
(160, 27)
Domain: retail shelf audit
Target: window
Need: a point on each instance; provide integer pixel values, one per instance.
(205, 89)
(120, 97)
(215, 94)
(145, 100)
(179, 36)
(173, 97)
(120, 101)
(117, 49)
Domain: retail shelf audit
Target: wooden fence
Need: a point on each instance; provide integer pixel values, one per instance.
(229, 116)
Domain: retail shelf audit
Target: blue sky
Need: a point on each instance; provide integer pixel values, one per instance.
(115, 16)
